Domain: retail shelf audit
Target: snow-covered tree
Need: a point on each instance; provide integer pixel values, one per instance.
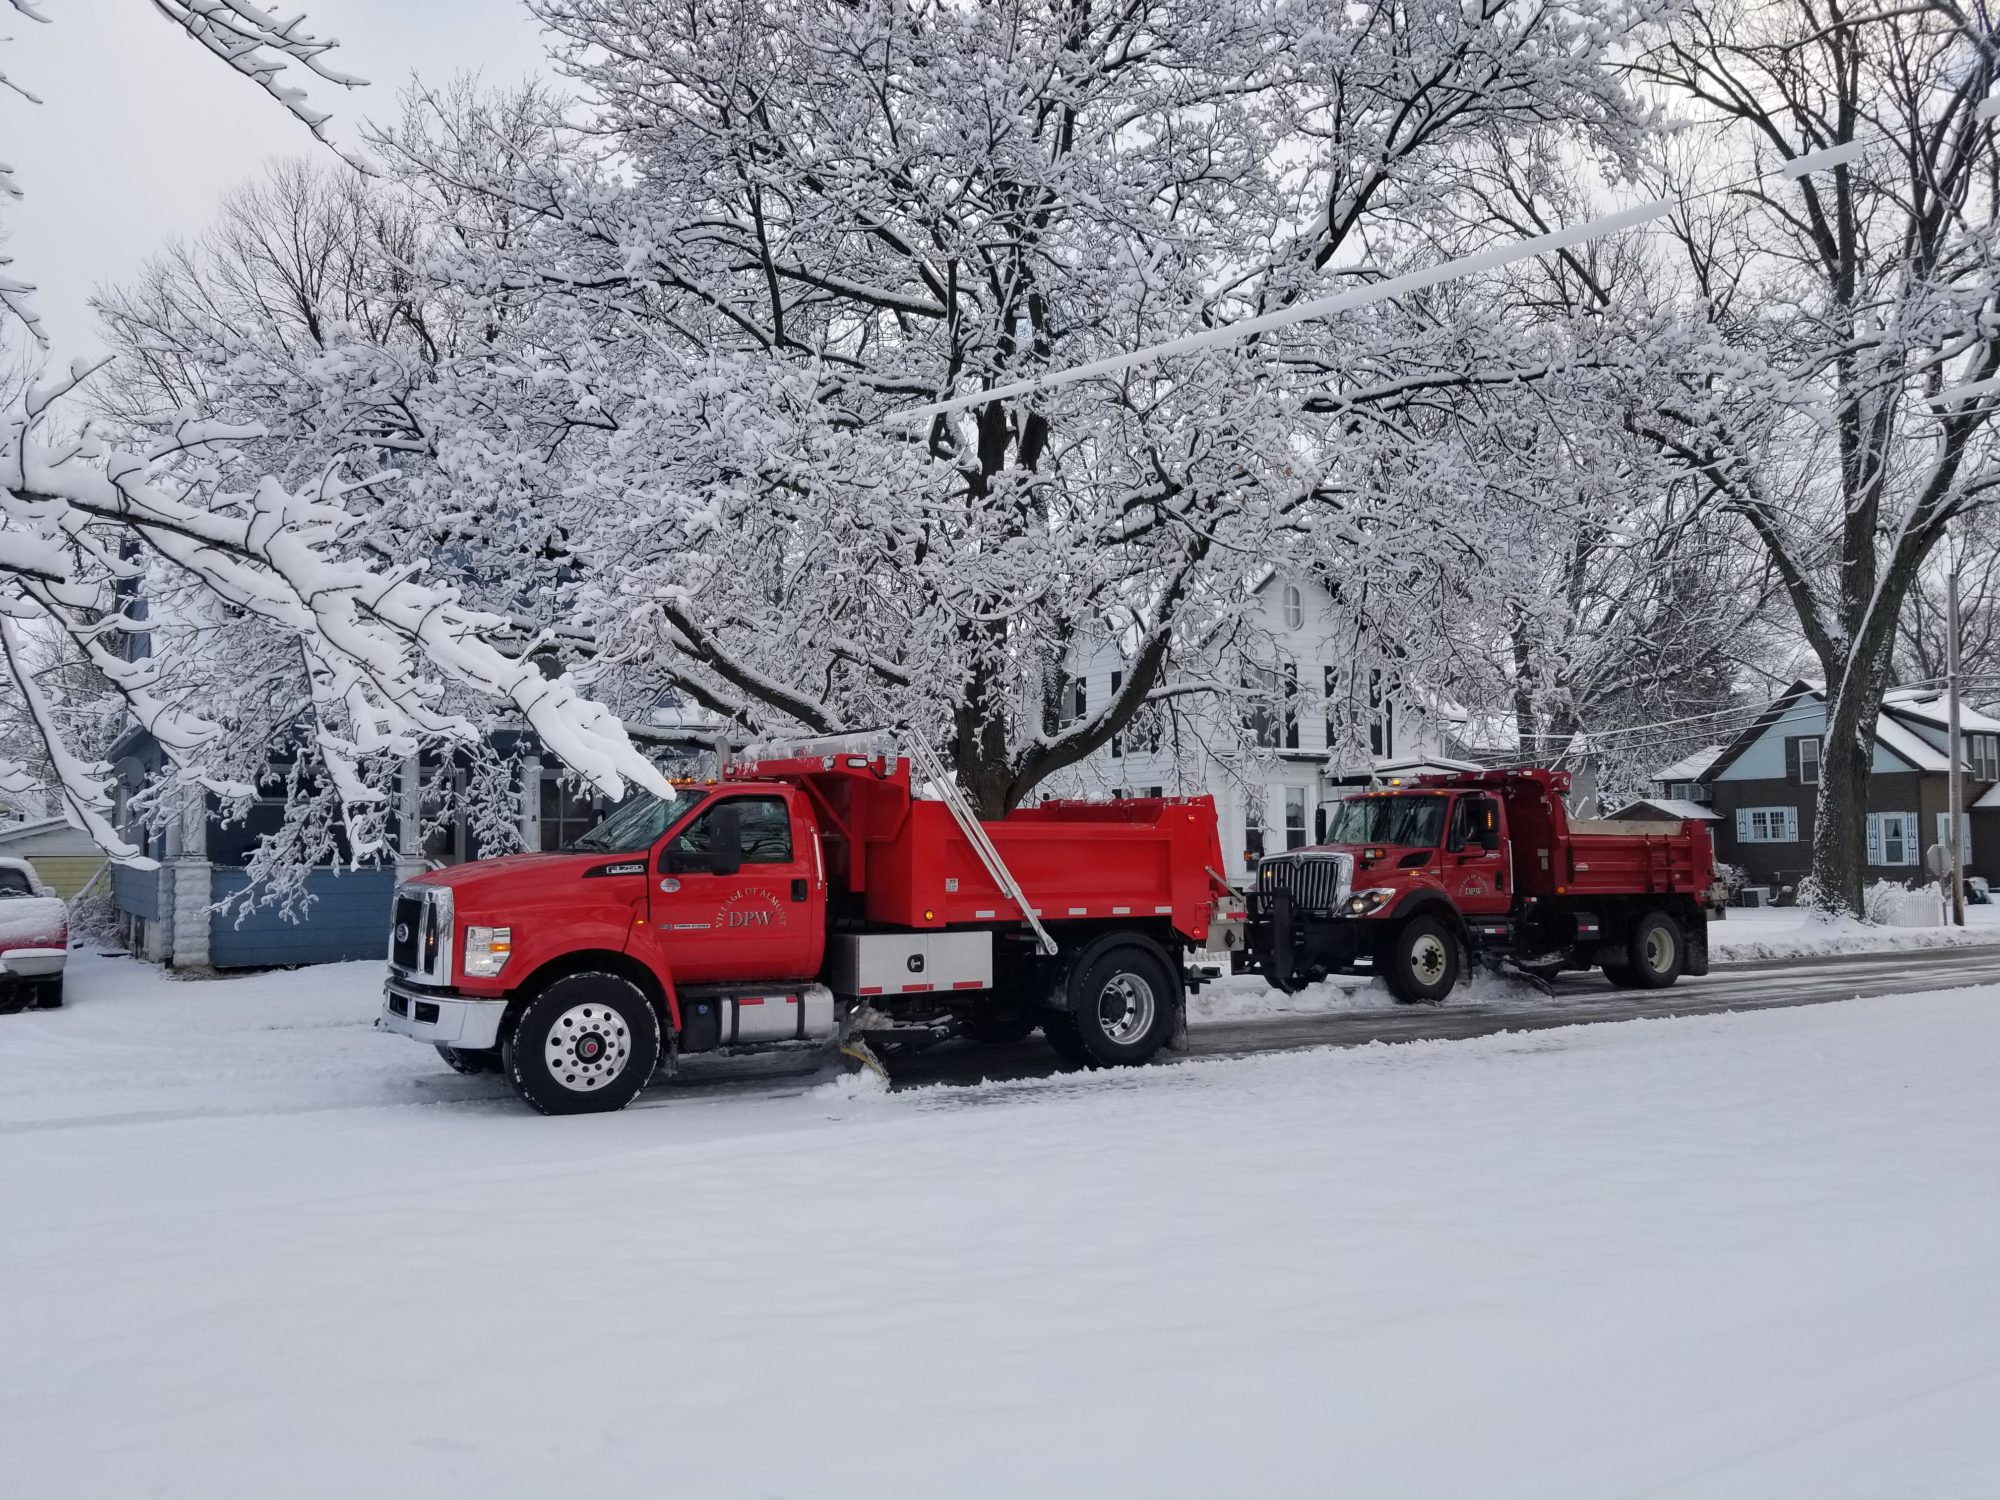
(1836, 354)
(239, 567)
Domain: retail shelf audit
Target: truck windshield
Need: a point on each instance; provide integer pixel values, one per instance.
(634, 823)
(1412, 821)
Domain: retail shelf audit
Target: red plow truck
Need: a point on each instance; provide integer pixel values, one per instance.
(808, 900)
(1416, 881)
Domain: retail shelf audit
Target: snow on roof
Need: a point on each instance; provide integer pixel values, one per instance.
(1913, 747)
(1675, 807)
(1935, 709)
(1688, 767)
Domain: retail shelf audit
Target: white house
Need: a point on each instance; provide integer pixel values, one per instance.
(1319, 727)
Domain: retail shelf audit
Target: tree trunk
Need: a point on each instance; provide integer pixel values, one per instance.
(1840, 843)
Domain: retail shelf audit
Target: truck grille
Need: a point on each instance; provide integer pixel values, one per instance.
(1317, 881)
(420, 934)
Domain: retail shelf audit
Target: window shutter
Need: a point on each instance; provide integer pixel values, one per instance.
(1913, 837)
(1874, 838)
(1117, 741)
(1743, 823)
(1792, 758)
(1791, 825)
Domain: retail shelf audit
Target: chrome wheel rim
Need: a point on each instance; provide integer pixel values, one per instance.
(587, 1047)
(1659, 950)
(1428, 958)
(1125, 1008)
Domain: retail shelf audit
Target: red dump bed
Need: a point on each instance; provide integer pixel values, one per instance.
(1148, 857)
(1556, 857)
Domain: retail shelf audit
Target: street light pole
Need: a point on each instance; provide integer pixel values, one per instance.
(1955, 817)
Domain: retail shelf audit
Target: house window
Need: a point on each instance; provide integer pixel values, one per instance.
(566, 812)
(1295, 817)
(1291, 705)
(1982, 751)
(1381, 716)
(1767, 825)
(1687, 791)
(1295, 607)
(1964, 834)
(1267, 686)
(1809, 761)
(1079, 700)
(1156, 791)
(1253, 828)
(1892, 838)
(1117, 740)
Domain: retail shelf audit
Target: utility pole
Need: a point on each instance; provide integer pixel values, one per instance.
(1955, 817)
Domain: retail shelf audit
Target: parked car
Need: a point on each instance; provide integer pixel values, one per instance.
(34, 939)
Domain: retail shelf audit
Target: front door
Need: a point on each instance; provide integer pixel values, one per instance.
(764, 920)
(1477, 878)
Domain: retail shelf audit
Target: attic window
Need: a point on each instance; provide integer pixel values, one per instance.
(1295, 608)
(1809, 761)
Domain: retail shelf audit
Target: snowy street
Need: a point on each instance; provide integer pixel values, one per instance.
(1745, 1255)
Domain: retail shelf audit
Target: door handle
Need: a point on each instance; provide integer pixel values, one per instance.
(799, 889)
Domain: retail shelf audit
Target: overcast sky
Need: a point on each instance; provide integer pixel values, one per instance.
(140, 129)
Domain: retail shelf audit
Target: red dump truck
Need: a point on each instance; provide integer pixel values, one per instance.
(807, 899)
(1416, 881)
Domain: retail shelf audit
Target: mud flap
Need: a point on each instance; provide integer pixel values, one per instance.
(1697, 945)
(1177, 1035)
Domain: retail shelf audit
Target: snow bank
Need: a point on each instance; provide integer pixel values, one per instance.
(1740, 1256)
(1793, 932)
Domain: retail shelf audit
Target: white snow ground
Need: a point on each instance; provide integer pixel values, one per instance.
(1792, 932)
(248, 1247)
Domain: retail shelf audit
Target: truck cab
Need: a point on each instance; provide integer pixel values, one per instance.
(1415, 882)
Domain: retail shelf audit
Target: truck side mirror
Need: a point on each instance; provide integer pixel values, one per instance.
(1489, 828)
(725, 854)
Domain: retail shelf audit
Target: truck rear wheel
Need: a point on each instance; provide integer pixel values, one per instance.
(585, 1045)
(1422, 961)
(1122, 1007)
(1656, 954)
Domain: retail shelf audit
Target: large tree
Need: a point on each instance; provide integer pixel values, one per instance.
(1839, 324)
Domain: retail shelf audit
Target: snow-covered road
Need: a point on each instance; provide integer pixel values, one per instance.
(1743, 1255)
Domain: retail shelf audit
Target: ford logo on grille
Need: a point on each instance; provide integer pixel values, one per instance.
(402, 932)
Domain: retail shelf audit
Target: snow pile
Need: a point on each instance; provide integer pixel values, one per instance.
(1795, 932)
(1719, 1256)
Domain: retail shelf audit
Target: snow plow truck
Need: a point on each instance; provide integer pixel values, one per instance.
(808, 899)
(1417, 881)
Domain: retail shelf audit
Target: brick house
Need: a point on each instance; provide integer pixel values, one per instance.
(1763, 786)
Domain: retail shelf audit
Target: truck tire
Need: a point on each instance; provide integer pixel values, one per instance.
(1656, 954)
(1122, 1006)
(1421, 960)
(585, 1045)
(998, 1025)
(1059, 1031)
(48, 995)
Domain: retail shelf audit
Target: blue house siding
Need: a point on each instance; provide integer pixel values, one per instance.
(137, 892)
(348, 920)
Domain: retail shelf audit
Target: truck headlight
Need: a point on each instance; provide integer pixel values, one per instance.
(1365, 903)
(486, 950)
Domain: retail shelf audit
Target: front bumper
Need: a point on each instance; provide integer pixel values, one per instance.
(31, 963)
(442, 1019)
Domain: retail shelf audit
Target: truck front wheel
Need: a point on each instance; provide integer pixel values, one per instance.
(585, 1045)
(1656, 954)
(1122, 1008)
(1422, 961)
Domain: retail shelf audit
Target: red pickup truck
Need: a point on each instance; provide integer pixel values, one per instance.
(806, 900)
(1416, 881)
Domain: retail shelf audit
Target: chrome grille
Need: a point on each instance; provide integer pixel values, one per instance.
(1317, 880)
(420, 934)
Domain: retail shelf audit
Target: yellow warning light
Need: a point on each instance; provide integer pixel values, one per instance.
(930, 916)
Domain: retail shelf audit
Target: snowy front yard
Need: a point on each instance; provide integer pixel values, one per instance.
(252, 1248)
(1793, 932)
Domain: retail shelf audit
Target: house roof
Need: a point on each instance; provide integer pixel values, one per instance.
(1992, 797)
(1898, 738)
(1934, 708)
(1673, 807)
(1689, 767)
(1901, 740)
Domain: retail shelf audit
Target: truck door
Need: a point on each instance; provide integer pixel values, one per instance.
(1476, 869)
(765, 918)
